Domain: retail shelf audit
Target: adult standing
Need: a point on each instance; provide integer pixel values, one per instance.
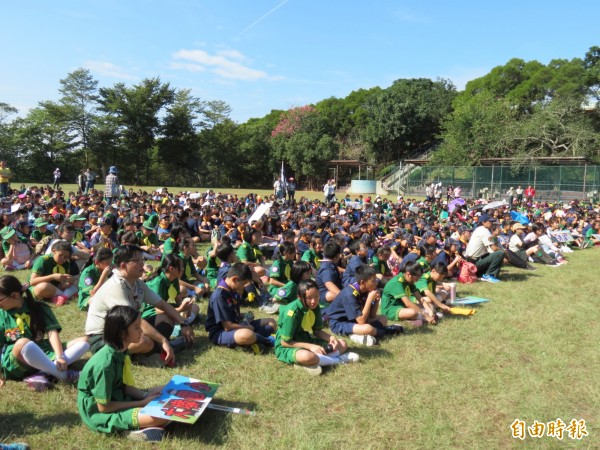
(57, 176)
(511, 195)
(81, 182)
(278, 189)
(483, 251)
(519, 192)
(90, 180)
(530, 194)
(111, 186)
(5, 176)
(126, 288)
(291, 189)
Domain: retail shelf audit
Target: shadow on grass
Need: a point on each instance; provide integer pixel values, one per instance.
(24, 423)
(212, 427)
(518, 276)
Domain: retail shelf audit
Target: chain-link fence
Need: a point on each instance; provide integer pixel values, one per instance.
(552, 183)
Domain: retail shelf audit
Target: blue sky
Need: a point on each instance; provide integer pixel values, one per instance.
(259, 55)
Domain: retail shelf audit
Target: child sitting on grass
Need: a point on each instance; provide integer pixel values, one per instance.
(354, 311)
(17, 254)
(23, 324)
(224, 322)
(301, 270)
(55, 277)
(401, 300)
(295, 345)
(107, 399)
(93, 276)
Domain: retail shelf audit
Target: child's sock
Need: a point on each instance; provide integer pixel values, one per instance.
(326, 360)
(380, 329)
(75, 351)
(70, 291)
(35, 357)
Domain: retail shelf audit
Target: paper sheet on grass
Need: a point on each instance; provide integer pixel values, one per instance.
(183, 399)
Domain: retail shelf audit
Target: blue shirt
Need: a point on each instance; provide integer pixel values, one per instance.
(223, 306)
(328, 272)
(348, 278)
(348, 304)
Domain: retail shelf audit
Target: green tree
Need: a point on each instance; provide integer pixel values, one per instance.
(137, 111)
(179, 146)
(79, 101)
(406, 117)
(477, 129)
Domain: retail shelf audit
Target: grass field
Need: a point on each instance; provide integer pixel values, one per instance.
(531, 353)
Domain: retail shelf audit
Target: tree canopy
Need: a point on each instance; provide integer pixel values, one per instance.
(159, 134)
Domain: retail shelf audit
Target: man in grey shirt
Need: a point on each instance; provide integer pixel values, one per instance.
(126, 288)
(483, 251)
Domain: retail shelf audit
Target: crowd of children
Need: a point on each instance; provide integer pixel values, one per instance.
(362, 269)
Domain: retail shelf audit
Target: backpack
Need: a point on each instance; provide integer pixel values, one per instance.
(41, 246)
(468, 272)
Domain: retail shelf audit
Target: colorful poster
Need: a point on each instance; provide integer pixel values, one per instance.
(183, 399)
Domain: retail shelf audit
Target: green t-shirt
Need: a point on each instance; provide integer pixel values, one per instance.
(189, 269)
(212, 266)
(37, 235)
(45, 265)
(15, 324)
(148, 241)
(296, 322)
(393, 292)
(167, 290)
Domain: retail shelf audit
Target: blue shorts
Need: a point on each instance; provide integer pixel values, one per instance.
(227, 339)
(341, 328)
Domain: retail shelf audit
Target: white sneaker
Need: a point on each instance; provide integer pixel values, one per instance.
(366, 339)
(439, 315)
(313, 370)
(270, 308)
(349, 357)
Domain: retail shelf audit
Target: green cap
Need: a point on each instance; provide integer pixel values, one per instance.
(39, 222)
(75, 217)
(7, 233)
(148, 225)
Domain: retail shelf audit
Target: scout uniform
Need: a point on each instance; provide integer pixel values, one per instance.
(150, 240)
(280, 271)
(311, 257)
(88, 279)
(328, 272)
(223, 306)
(286, 293)
(14, 325)
(103, 380)
(391, 300)
(426, 282)
(248, 252)
(345, 308)
(296, 322)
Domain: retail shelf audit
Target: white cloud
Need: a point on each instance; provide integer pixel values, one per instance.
(225, 63)
(405, 15)
(108, 69)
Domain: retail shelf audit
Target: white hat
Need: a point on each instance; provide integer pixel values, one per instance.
(342, 212)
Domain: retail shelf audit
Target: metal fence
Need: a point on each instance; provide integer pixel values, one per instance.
(552, 183)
